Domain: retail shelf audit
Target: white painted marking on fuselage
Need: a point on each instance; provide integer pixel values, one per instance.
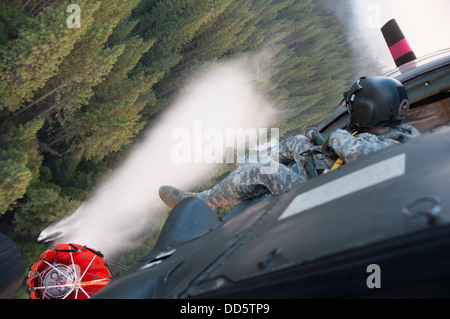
(366, 177)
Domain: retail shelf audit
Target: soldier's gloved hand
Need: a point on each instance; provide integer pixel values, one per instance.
(327, 150)
(315, 136)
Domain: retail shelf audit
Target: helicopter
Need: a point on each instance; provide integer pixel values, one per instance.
(375, 228)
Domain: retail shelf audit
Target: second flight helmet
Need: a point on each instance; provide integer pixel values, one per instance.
(376, 101)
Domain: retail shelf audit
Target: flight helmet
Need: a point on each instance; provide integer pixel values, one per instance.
(376, 101)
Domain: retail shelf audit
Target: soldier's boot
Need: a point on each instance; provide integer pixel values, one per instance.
(172, 196)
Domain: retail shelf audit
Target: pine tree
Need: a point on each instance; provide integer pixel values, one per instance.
(35, 56)
(217, 37)
(105, 129)
(80, 88)
(14, 178)
(93, 41)
(11, 21)
(43, 206)
(313, 66)
(135, 47)
(73, 82)
(34, 7)
(111, 118)
(23, 139)
(173, 24)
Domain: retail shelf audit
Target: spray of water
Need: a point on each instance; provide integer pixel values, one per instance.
(221, 97)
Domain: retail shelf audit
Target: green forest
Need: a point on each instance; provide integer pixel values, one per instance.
(74, 100)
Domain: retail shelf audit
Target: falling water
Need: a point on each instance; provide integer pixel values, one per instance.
(220, 98)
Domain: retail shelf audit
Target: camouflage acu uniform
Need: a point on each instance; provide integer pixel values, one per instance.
(350, 148)
(248, 181)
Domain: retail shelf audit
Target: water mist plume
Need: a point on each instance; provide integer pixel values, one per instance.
(221, 97)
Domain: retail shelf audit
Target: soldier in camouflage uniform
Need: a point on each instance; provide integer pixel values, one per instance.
(376, 106)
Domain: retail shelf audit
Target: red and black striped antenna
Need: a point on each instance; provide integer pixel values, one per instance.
(398, 45)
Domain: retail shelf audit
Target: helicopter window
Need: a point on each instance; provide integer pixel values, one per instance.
(430, 115)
